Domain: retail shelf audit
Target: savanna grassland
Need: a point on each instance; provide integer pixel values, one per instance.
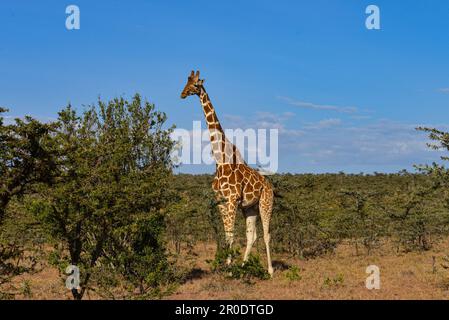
(341, 275)
(96, 190)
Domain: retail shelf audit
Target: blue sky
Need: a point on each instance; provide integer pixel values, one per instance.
(343, 97)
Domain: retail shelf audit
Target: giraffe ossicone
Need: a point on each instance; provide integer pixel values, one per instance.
(235, 184)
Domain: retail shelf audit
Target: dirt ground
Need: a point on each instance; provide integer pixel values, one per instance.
(414, 275)
(342, 275)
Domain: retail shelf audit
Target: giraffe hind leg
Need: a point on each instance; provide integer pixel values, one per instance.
(266, 208)
(251, 234)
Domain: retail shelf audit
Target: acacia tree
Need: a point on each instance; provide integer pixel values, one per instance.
(3, 153)
(25, 157)
(106, 205)
(440, 142)
(439, 173)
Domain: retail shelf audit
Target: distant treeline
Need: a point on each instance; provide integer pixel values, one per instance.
(315, 212)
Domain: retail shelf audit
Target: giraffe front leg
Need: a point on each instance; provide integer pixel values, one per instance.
(229, 241)
(228, 213)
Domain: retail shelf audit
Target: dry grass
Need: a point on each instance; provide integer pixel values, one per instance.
(403, 276)
(411, 275)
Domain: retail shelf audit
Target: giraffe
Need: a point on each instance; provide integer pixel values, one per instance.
(236, 185)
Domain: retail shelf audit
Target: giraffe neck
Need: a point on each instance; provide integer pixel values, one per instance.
(213, 124)
(222, 150)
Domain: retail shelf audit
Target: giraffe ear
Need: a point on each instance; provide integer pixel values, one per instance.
(200, 82)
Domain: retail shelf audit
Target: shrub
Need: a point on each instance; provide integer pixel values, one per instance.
(293, 273)
(335, 281)
(107, 201)
(245, 271)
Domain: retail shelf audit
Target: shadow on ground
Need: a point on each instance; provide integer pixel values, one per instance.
(194, 274)
(280, 265)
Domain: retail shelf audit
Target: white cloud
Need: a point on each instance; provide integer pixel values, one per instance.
(310, 105)
(260, 120)
(360, 117)
(444, 90)
(334, 144)
(8, 120)
(325, 123)
(380, 143)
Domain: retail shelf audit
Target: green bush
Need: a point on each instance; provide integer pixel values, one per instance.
(293, 273)
(246, 271)
(336, 281)
(110, 192)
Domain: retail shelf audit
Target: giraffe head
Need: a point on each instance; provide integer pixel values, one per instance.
(193, 85)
